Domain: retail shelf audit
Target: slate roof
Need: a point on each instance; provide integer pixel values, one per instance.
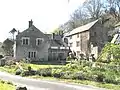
(82, 28)
(54, 43)
(49, 35)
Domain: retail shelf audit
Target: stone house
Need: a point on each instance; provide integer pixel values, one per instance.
(88, 39)
(35, 45)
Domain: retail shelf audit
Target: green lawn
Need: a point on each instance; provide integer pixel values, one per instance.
(34, 66)
(11, 69)
(6, 86)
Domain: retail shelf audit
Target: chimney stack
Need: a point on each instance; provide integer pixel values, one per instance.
(30, 23)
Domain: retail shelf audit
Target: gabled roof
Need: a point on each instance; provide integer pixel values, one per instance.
(82, 28)
(33, 31)
(49, 35)
(30, 29)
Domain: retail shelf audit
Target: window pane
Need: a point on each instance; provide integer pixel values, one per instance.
(31, 54)
(28, 54)
(38, 42)
(34, 54)
(23, 41)
(26, 41)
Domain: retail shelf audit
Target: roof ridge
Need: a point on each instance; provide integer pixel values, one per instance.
(83, 27)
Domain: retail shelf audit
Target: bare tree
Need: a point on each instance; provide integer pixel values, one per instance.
(94, 8)
(111, 3)
(79, 17)
(117, 2)
(118, 5)
(68, 26)
(114, 8)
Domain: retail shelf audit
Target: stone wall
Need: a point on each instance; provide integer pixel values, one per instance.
(84, 38)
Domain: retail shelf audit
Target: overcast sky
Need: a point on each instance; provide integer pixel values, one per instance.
(46, 14)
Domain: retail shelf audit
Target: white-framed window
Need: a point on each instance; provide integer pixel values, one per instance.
(25, 40)
(32, 54)
(39, 41)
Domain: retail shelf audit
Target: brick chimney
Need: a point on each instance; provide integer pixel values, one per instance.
(30, 23)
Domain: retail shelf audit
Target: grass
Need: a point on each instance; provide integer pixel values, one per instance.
(43, 66)
(36, 67)
(11, 69)
(6, 85)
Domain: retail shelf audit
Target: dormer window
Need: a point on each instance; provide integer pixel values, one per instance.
(25, 40)
(39, 41)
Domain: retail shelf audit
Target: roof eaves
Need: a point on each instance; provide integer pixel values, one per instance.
(83, 28)
(76, 33)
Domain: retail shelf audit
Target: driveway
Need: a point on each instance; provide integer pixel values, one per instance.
(34, 84)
